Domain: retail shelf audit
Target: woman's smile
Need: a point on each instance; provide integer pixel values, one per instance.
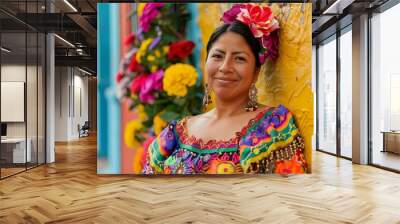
(225, 80)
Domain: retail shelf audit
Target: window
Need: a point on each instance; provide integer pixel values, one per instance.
(346, 93)
(22, 74)
(385, 89)
(327, 96)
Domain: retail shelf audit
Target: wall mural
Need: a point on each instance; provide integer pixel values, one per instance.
(163, 80)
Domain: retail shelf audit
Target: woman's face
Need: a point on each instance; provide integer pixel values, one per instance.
(231, 67)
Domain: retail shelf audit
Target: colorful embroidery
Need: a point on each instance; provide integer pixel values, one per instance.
(269, 143)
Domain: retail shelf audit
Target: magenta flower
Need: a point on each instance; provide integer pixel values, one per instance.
(149, 13)
(271, 43)
(153, 82)
(262, 57)
(230, 15)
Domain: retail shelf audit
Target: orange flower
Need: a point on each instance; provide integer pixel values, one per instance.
(292, 166)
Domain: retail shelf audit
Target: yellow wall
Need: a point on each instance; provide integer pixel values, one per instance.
(288, 80)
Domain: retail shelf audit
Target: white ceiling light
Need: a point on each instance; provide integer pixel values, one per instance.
(5, 49)
(70, 5)
(65, 41)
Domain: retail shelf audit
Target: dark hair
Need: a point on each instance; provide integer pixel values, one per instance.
(241, 29)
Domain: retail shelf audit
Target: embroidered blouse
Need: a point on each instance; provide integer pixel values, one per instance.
(269, 143)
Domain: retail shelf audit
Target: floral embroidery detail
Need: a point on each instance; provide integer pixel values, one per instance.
(294, 165)
(214, 144)
(269, 143)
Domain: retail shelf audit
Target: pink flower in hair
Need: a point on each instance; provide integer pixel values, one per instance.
(259, 18)
(262, 24)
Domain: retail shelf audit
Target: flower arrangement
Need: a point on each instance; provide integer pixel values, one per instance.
(156, 76)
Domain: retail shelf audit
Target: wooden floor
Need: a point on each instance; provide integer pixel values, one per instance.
(387, 159)
(10, 171)
(70, 191)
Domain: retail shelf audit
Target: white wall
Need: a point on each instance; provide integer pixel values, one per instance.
(33, 127)
(16, 73)
(13, 73)
(61, 103)
(71, 94)
(80, 110)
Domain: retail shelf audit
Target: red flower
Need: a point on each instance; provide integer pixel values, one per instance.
(129, 39)
(180, 49)
(137, 83)
(119, 76)
(133, 65)
(259, 18)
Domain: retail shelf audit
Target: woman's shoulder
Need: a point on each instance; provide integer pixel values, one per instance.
(274, 136)
(279, 110)
(272, 117)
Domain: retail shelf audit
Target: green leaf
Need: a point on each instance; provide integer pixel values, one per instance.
(180, 101)
(169, 116)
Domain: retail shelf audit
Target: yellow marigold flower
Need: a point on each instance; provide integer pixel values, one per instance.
(129, 134)
(142, 50)
(153, 68)
(151, 58)
(140, 8)
(178, 77)
(158, 124)
(142, 116)
(157, 53)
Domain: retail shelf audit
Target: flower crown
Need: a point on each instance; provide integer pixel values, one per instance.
(262, 24)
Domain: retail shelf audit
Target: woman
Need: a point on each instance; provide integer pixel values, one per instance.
(238, 135)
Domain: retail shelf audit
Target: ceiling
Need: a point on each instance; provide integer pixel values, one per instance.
(329, 16)
(76, 22)
(73, 20)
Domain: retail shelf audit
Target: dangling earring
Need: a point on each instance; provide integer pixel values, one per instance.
(207, 97)
(252, 105)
